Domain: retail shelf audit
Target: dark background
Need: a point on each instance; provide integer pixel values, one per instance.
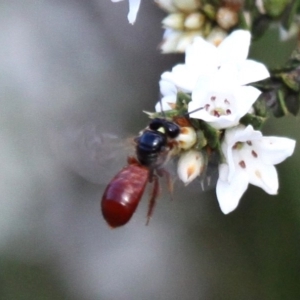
(69, 72)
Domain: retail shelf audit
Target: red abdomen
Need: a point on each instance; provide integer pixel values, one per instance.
(123, 194)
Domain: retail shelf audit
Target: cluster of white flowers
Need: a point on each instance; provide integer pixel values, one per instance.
(217, 78)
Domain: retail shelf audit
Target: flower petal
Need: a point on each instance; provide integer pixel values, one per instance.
(202, 56)
(235, 47)
(182, 77)
(245, 97)
(241, 134)
(167, 88)
(229, 194)
(252, 71)
(134, 6)
(166, 103)
(264, 176)
(273, 150)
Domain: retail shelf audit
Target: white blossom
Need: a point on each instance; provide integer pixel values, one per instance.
(134, 6)
(203, 58)
(223, 99)
(250, 158)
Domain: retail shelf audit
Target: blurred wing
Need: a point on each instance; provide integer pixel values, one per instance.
(209, 178)
(95, 155)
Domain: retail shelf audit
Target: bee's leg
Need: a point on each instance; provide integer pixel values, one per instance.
(154, 194)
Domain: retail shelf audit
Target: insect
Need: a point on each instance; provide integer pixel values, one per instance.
(96, 155)
(155, 145)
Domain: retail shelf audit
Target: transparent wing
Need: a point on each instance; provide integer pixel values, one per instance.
(98, 156)
(88, 151)
(209, 178)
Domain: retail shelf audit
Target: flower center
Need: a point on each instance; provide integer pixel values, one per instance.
(245, 154)
(218, 105)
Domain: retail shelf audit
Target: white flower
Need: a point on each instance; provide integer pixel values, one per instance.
(190, 165)
(250, 158)
(223, 99)
(169, 96)
(202, 58)
(134, 6)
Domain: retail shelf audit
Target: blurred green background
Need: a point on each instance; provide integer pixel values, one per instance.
(71, 70)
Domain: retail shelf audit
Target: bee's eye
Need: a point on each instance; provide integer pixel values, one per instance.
(172, 129)
(156, 124)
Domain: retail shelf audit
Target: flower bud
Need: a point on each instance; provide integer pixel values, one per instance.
(187, 138)
(194, 21)
(186, 39)
(216, 36)
(166, 5)
(174, 21)
(226, 18)
(190, 165)
(187, 5)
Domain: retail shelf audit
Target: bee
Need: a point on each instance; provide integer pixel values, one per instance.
(155, 145)
(95, 156)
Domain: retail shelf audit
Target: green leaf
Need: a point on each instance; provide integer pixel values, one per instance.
(281, 102)
(289, 14)
(293, 103)
(253, 120)
(182, 100)
(292, 79)
(201, 140)
(275, 8)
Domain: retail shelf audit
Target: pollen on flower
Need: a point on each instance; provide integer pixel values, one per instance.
(242, 164)
(249, 143)
(226, 102)
(217, 112)
(254, 153)
(213, 98)
(228, 112)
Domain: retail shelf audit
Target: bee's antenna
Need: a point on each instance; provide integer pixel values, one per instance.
(191, 112)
